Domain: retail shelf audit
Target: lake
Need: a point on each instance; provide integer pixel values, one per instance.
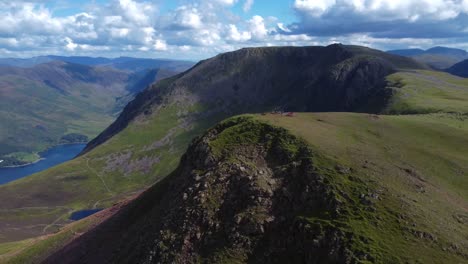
(51, 157)
(78, 215)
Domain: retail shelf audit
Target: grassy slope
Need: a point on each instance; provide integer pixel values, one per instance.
(79, 183)
(419, 164)
(427, 92)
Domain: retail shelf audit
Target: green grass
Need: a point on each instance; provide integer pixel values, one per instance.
(24, 156)
(404, 178)
(418, 162)
(427, 92)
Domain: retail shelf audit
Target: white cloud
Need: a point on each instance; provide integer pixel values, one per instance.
(226, 2)
(284, 28)
(385, 9)
(28, 18)
(202, 28)
(235, 35)
(247, 5)
(257, 28)
(187, 18)
(160, 45)
(71, 46)
(135, 12)
(314, 7)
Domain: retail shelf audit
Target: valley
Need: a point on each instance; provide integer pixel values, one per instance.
(61, 102)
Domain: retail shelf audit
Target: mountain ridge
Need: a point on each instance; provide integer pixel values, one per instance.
(350, 60)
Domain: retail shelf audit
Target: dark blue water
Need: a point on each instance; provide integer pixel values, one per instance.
(83, 213)
(51, 157)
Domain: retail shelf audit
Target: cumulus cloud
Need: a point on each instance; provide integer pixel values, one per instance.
(235, 35)
(382, 18)
(187, 17)
(385, 9)
(27, 18)
(247, 5)
(202, 28)
(257, 28)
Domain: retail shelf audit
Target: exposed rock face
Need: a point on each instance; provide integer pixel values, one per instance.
(333, 78)
(243, 194)
(244, 210)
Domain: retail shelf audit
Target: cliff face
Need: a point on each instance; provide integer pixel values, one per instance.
(333, 78)
(245, 192)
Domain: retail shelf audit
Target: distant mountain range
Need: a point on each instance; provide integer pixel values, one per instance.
(437, 57)
(121, 63)
(49, 97)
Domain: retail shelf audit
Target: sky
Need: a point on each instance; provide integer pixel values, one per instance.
(198, 29)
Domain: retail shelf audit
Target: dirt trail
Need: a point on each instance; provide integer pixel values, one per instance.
(44, 230)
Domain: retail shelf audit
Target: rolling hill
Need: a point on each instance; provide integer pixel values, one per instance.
(438, 57)
(377, 186)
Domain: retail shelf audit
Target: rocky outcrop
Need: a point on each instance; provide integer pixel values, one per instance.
(245, 192)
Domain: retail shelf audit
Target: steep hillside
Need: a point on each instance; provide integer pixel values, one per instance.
(249, 191)
(459, 69)
(146, 142)
(437, 57)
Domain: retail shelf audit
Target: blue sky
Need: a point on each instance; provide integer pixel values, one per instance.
(199, 29)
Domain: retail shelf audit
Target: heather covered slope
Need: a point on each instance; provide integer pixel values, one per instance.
(314, 188)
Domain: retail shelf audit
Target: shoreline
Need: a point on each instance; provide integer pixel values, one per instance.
(22, 165)
(41, 158)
